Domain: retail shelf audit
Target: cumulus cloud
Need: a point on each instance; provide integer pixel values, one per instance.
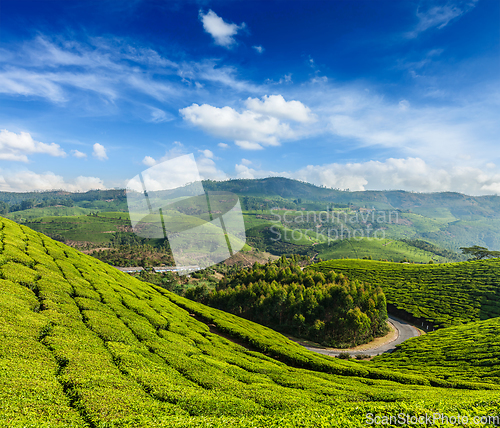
(247, 126)
(78, 154)
(99, 152)
(22, 181)
(149, 161)
(223, 146)
(258, 49)
(222, 32)
(17, 147)
(262, 124)
(207, 153)
(243, 171)
(207, 168)
(276, 106)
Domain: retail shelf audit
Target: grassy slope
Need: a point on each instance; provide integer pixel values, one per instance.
(83, 228)
(73, 226)
(444, 294)
(33, 213)
(466, 352)
(86, 345)
(377, 249)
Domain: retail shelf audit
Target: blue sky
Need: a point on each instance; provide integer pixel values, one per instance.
(351, 94)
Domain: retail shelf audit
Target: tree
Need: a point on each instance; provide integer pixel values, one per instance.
(478, 253)
(4, 207)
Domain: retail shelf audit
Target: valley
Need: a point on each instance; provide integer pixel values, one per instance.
(86, 345)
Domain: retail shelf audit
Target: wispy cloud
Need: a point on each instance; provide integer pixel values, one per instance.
(222, 32)
(107, 71)
(440, 16)
(159, 116)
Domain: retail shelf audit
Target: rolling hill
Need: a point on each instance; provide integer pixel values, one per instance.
(466, 352)
(441, 294)
(447, 219)
(84, 345)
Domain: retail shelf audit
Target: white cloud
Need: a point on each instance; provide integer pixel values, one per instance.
(159, 116)
(242, 171)
(94, 74)
(23, 181)
(148, 161)
(440, 16)
(248, 145)
(259, 49)
(78, 154)
(262, 124)
(99, 152)
(221, 31)
(276, 106)
(246, 161)
(404, 105)
(109, 68)
(363, 119)
(176, 151)
(223, 146)
(207, 167)
(16, 147)
(287, 78)
(411, 174)
(247, 128)
(205, 163)
(207, 153)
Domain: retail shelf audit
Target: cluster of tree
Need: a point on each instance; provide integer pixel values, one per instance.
(479, 253)
(144, 255)
(328, 309)
(31, 203)
(264, 239)
(427, 246)
(12, 201)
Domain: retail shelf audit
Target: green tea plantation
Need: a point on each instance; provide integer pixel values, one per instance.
(84, 345)
(444, 294)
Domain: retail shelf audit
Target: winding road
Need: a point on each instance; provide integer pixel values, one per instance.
(405, 331)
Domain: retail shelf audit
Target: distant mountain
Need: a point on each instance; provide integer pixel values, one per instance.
(447, 219)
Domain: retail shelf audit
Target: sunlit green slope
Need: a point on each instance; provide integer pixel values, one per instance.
(84, 345)
(466, 352)
(444, 294)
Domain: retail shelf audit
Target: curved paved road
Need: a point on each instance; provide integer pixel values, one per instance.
(405, 331)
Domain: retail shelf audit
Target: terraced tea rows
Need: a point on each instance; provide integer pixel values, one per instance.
(443, 294)
(466, 352)
(84, 345)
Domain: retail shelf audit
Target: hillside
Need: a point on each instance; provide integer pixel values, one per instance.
(328, 309)
(85, 345)
(466, 352)
(447, 219)
(442, 294)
